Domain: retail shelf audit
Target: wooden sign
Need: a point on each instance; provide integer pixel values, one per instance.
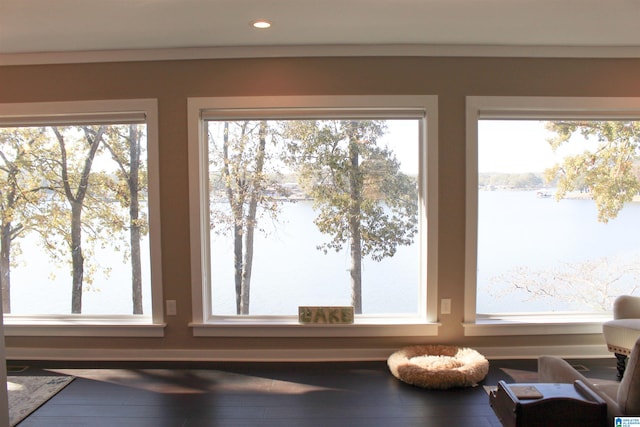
(325, 315)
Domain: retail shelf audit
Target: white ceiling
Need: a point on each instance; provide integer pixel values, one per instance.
(28, 26)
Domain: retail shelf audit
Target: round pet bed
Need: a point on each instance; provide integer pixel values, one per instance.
(438, 366)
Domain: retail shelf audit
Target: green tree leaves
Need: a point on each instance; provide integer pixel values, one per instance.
(65, 183)
(20, 195)
(364, 201)
(609, 172)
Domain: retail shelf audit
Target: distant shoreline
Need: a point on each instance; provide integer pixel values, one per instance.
(549, 192)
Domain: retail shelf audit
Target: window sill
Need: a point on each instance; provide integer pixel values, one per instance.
(536, 324)
(291, 328)
(117, 326)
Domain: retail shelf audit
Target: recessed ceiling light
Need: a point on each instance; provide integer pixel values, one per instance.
(261, 24)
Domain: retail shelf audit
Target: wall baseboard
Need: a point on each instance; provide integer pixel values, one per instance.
(533, 352)
(283, 355)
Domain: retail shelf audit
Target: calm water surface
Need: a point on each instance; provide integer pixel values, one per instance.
(515, 229)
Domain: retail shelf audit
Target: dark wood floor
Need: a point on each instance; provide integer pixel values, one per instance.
(349, 394)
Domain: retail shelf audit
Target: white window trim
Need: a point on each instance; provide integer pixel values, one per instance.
(541, 108)
(205, 325)
(87, 325)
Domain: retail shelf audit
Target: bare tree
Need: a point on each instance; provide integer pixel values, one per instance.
(590, 284)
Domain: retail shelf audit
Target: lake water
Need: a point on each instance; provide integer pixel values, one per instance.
(515, 229)
(290, 271)
(42, 286)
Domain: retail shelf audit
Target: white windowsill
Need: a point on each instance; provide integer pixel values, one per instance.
(291, 328)
(536, 324)
(85, 326)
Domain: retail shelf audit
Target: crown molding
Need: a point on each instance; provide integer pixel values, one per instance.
(391, 50)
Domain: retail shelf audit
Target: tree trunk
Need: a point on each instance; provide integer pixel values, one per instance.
(356, 266)
(237, 264)
(76, 257)
(245, 290)
(77, 201)
(236, 211)
(5, 267)
(134, 216)
(243, 230)
(355, 241)
(6, 237)
(256, 193)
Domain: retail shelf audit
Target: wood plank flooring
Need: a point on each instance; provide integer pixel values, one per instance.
(349, 394)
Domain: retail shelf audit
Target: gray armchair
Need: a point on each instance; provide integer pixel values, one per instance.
(622, 398)
(622, 332)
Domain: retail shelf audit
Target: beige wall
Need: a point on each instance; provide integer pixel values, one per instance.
(171, 82)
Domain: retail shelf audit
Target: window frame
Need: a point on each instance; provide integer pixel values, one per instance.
(149, 325)
(525, 108)
(200, 109)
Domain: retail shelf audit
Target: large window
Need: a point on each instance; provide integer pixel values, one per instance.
(555, 186)
(303, 206)
(77, 214)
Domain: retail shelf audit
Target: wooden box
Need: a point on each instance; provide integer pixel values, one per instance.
(548, 405)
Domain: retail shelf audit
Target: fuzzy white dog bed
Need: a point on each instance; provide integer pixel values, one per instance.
(438, 366)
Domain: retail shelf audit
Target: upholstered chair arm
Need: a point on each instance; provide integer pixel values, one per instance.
(626, 307)
(552, 369)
